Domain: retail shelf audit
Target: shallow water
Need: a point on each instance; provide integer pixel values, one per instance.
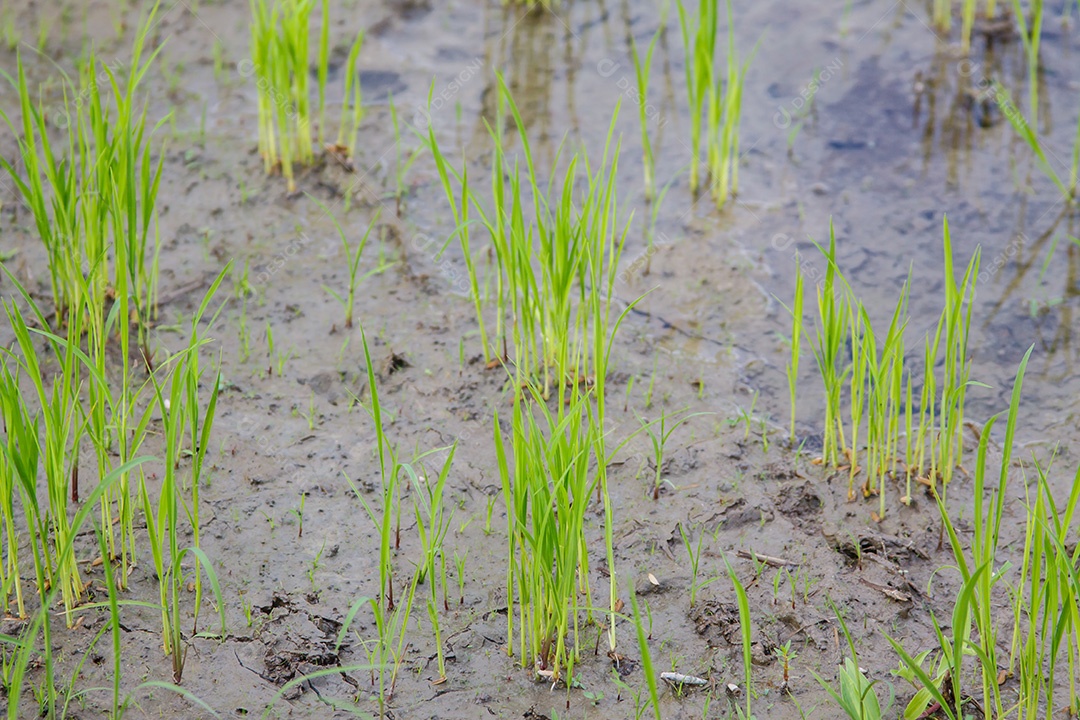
(898, 138)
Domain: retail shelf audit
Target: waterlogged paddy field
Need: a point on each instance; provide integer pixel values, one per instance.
(899, 135)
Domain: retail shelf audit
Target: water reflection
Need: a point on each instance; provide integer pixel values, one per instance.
(537, 49)
(955, 104)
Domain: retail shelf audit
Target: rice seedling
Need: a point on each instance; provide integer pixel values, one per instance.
(642, 71)
(280, 59)
(349, 301)
(185, 421)
(432, 523)
(646, 659)
(855, 695)
(746, 628)
(401, 162)
(352, 106)
(942, 14)
(830, 335)
(459, 564)
(796, 347)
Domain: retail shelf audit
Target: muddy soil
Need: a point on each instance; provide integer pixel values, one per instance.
(898, 137)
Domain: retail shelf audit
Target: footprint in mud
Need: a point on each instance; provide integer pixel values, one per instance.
(798, 500)
(718, 623)
(297, 641)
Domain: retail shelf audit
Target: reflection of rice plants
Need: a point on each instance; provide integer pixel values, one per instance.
(872, 366)
(942, 17)
(1027, 127)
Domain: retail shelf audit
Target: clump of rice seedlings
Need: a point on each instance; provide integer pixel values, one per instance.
(280, 57)
(713, 99)
(386, 652)
(880, 391)
(556, 254)
(699, 47)
(547, 494)
(94, 198)
(24, 648)
(186, 423)
(57, 412)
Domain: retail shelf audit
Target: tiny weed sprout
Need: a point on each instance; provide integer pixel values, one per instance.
(353, 266)
(659, 431)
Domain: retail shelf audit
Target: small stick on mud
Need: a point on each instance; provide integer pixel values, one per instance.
(888, 591)
(771, 561)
